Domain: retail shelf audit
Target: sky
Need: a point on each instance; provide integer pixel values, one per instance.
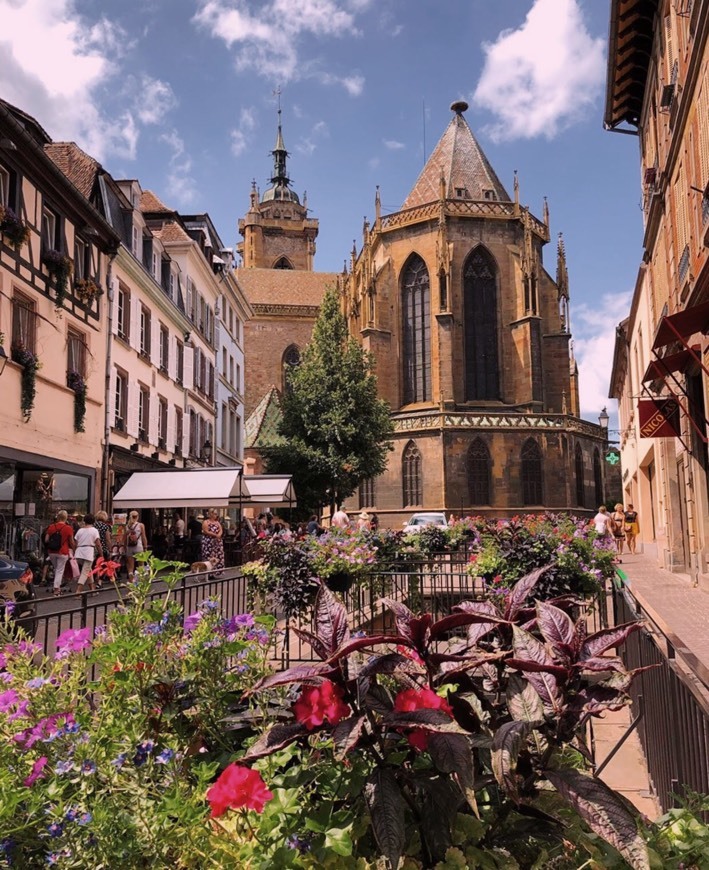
(182, 95)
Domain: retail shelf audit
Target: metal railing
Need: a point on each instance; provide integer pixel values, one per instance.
(671, 701)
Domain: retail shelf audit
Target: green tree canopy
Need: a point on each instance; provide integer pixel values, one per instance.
(336, 430)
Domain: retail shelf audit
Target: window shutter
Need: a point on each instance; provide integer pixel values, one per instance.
(187, 365)
(112, 394)
(172, 357)
(115, 307)
(155, 341)
(133, 403)
(170, 434)
(154, 413)
(135, 323)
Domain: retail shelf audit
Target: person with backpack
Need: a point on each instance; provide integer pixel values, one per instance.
(59, 539)
(136, 542)
(88, 546)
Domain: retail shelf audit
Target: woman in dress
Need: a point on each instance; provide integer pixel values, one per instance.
(618, 517)
(212, 544)
(88, 546)
(632, 528)
(602, 522)
(136, 542)
(104, 533)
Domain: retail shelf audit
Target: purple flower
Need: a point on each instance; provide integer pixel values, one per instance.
(5, 677)
(71, 814)
(209, 604)
(62, 767)
(36, 683)
(73, 640)
(55, 829)
(37, 772)
(21, 711)
(153, 628)
(164, 756)
(243, 620)
(100, 631)
(85, 818)
(191, 622)
(88, 767)
(120, 761)
(8, 700)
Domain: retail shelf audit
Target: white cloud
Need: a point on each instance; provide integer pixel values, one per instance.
(180, 185)
(594, 342)
(267, 42)
(543, 76)
(156, 100)
(240, 134)
(308, 144)
(393, 145)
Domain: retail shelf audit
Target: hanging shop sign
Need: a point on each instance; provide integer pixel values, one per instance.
(659, 418)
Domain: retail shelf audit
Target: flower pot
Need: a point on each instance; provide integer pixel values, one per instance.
(339, 582)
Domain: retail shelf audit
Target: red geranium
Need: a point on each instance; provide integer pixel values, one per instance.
(409, 700)
(238, 787)
(106, 568)
(318, 704)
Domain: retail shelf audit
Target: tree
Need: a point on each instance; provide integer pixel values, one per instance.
(336, 431)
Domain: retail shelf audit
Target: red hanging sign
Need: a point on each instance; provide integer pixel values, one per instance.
(659, 418)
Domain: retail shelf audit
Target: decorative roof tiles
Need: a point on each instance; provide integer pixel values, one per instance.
(77, 165)
(284, 286)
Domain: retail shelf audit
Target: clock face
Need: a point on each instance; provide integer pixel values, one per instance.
(612, 458)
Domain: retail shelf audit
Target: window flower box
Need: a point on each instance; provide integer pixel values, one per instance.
(60, 268)
(12, 228)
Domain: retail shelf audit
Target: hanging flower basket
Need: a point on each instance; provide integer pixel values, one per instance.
(60, 268)
(30, 363)
(76, 382)
(12, 228)
(87, 290)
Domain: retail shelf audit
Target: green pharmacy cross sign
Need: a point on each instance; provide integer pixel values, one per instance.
(612, 457)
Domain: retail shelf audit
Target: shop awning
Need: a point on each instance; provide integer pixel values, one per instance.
(682, 325)
(675, 362)
(269, 489)
(189, 488)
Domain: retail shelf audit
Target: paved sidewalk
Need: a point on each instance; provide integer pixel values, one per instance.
(678, 609)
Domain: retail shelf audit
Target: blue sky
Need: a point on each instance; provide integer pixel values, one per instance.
(180, 94)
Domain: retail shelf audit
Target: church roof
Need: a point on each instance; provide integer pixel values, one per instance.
(76, 164)
(261, 427)
(284, 286)
(461, 161)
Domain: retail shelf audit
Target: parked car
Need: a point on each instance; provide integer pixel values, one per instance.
(16, 589)
(419, 520)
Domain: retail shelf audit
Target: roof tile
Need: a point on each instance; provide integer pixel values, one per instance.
(284, 286)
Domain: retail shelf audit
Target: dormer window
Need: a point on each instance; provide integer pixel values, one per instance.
(489, 194)
(462, 193)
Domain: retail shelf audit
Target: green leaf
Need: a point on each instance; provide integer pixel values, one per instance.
(339, 840)
(386, 810)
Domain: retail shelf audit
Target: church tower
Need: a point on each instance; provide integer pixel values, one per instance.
(277, 233)
(471, 339)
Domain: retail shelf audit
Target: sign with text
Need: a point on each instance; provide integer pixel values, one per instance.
(658, 418)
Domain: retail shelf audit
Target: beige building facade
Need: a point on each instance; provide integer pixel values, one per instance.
(658, 88)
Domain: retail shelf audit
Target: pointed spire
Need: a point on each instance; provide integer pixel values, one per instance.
(546, 213)
(516, 188)
(280, 173)
(377, 207)
(562, 274)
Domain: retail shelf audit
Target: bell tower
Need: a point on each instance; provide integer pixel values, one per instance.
(276, 231)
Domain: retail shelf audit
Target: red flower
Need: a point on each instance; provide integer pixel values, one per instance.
(106, 568)
(409, 700)
(238, 787)
(410, 654)
(320, 703)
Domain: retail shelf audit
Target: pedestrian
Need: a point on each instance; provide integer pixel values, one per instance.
(88, 546)
(60, 542)
(178, 535)
(193, 548)
(212, 543)
(602, 522)
(136, 542)
(632, 528)
(104, 532)
(618, 527)
(374, 523)
(340, 519)
(313, 527)
(363, 522)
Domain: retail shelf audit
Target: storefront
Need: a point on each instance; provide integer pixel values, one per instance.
(32, 489)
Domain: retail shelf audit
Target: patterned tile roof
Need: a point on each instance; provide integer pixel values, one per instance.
(76, 164)
(170, 231)
(261, 428)
(463, 165)
(150, 204)
(284, 286)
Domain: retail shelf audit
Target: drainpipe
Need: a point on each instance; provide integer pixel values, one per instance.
(105, 477)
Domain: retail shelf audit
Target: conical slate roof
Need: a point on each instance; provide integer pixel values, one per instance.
(464, 167)
(261, 428)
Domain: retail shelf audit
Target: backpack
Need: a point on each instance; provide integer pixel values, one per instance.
(54, 541)
(133, 535)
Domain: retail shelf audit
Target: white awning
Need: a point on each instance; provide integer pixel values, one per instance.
(265, 489)
(192, 488)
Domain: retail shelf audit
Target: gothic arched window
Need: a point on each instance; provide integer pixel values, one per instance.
(416, 307)
(578, 461)
(367, 493)
(283, 263)
(291, 359)
(531, 473)
(597, 477)
(482, 375)
(411, 476)
(479, 468)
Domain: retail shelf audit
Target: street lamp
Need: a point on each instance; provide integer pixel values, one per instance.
(3, 359)
(603, 419)
(207, 451)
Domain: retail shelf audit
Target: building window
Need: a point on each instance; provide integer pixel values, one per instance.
(531, 473)
(291, 360)
(120, 401)
(50, 229)
(597, 477)
(283, 263)
(123, 322)
(164, 348)
(144, 413)
(482, 377)
(210, 380)
(416, 305)
(231, 370)
(225, 371)
(180, 367)
(179, 431)
(5, 187)
(24, 323)
(578, 462)
(367, 494)
(162, 422)
(145, 327)
(193, 433)
(76, 352)
(82, 263)
(411, 476)
(479, 472)
(237, 382)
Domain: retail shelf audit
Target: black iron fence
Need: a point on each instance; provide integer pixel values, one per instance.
(671, 703)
